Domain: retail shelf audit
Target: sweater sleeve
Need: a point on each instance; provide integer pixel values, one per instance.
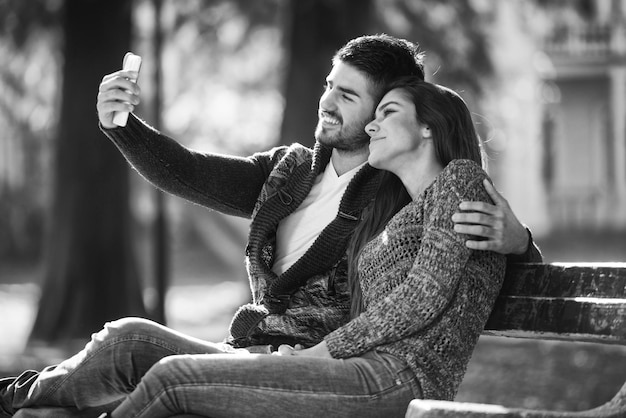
(532, 254)
(224, 183)
(431, 282)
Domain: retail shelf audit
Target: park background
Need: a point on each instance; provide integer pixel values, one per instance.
(83, 239)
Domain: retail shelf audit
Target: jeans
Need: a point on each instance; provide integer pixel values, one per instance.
(138, 368)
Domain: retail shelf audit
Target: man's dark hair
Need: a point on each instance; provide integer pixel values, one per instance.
(383, 58)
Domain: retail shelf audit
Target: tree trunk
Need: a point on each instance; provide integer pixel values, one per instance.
(90, 274)
(318, 28)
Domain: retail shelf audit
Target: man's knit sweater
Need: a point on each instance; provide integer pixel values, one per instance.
(426, 295)
(311, 298)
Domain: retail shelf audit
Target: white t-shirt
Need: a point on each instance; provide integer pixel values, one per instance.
(296, 233)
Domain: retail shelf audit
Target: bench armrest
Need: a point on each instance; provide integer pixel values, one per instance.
(419, 408)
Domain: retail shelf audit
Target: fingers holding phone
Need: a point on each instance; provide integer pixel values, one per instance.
(118, 93)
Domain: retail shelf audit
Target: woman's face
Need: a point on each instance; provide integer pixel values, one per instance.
(395, 134)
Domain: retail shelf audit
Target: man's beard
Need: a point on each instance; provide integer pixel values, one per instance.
(352, 138)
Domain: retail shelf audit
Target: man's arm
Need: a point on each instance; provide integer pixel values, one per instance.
(497, 228)
(229, 184)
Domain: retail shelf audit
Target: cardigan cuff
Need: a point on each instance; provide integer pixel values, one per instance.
(531, 255)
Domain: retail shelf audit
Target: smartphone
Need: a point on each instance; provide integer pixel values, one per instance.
(131, 62)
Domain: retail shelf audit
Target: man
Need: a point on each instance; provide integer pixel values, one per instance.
(304, 204)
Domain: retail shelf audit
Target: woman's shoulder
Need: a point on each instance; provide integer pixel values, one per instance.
(464, 178)
(464, 168)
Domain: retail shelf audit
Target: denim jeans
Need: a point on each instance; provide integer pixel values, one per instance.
(138, 368)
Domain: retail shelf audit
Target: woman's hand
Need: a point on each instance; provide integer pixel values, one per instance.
(117, 93)
(319, 350)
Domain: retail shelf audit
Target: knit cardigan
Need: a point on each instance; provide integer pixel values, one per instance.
(311, 298)
(426, 295)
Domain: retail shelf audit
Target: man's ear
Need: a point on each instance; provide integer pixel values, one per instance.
(426, 133)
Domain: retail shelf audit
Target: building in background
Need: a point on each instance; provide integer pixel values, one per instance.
(583, 125)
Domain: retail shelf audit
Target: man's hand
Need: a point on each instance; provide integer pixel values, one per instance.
(500, 229)
(117, 93)
(319, 350)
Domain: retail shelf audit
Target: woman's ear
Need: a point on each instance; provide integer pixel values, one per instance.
(426, 134)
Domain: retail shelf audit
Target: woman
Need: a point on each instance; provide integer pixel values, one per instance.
(420, 296)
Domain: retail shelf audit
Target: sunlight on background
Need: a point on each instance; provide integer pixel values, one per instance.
(212, 73)
(17, 307)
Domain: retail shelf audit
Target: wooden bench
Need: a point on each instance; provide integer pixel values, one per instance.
(571, 302)
(581, 302)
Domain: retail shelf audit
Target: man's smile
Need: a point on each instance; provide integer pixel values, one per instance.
(328, 119)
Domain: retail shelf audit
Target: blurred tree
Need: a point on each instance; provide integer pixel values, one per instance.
(90, 271)
(161, 253)
(454, 35)
(28, 83)
(19, 18)
(316, 29)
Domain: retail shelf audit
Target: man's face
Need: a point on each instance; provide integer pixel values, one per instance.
(346, 106)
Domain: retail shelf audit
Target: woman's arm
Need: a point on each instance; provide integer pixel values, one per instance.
(430, 285)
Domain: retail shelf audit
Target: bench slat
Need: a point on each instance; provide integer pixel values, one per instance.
(563, 302)
(562, 319)
(563, 280)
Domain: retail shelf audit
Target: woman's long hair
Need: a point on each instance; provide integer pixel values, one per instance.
(454, 136)
(448, 118)
(389, 199)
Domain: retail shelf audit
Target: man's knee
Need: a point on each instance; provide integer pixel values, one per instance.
(124, 328)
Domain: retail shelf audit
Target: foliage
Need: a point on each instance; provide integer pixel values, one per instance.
(29, 45)
(222, 66)
(453, 34)
(213, 67)
(210, 16)
(19, 19)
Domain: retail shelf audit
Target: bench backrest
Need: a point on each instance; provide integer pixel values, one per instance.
(578, 302)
